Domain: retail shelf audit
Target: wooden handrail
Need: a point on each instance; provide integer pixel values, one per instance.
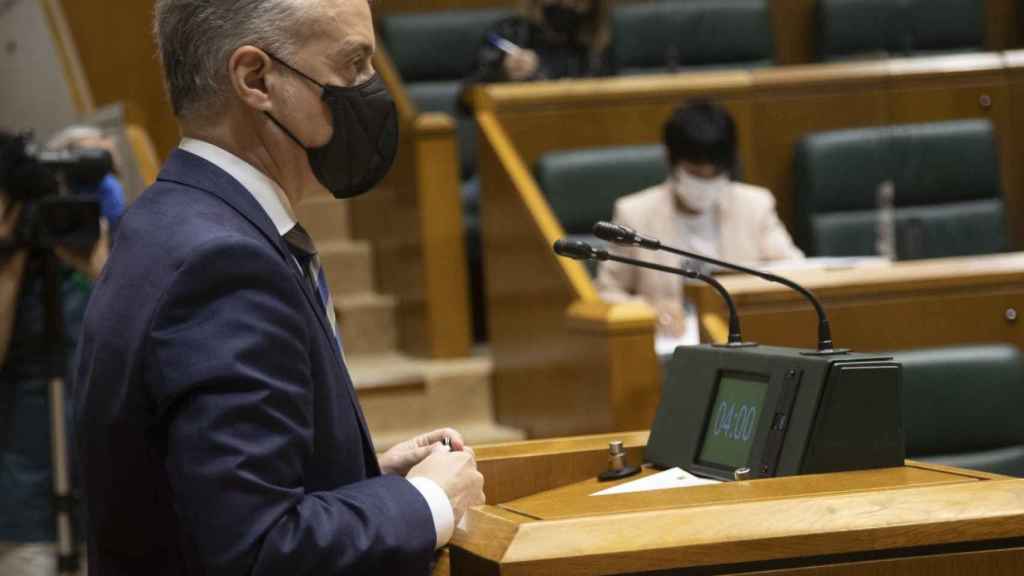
(547, 224)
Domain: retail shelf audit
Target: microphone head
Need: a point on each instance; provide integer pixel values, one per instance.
(614, 233)
(624, 236)
(575, 249)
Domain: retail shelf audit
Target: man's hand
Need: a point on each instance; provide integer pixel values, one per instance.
(456, 474)
(521, 65)
(402, 457)
(89, 265)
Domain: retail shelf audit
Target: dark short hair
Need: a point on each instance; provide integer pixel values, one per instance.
(702, 132)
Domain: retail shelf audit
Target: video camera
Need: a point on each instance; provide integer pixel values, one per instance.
(43, 184)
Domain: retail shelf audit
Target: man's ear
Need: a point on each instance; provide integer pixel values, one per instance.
(248, 68)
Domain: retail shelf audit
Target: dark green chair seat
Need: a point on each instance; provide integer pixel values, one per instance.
(656, 36)
(899, 27)
(961, 407)
(948, 199)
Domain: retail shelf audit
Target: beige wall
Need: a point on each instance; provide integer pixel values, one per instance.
(34, 93)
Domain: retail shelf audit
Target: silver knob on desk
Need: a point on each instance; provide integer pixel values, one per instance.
(617, 466)
(741, 474)
(616, 455)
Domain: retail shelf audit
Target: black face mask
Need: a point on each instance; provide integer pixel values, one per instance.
(365, 139)
(564, 20)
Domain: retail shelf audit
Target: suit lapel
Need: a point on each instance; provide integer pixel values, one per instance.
(190, 170)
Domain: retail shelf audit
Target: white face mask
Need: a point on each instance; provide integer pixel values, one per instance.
(699, 194)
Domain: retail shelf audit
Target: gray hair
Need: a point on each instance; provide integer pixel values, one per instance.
(196, 38)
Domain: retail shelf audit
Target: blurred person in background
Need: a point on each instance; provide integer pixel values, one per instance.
(699, 208)
(551, 39)
(27, 519)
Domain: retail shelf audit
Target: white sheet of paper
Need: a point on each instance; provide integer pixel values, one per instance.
(672, 478)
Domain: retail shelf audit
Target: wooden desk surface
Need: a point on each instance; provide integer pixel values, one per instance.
(811, 520)
(576, 500)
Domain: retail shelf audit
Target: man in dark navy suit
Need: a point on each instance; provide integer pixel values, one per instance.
(218, 428)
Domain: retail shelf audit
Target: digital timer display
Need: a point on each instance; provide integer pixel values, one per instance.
(732, 423)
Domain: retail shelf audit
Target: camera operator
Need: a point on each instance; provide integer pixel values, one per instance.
(27, 520)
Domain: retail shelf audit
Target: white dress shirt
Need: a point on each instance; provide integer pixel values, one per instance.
(271, 197)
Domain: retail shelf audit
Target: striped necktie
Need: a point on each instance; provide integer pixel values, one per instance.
(304, 250)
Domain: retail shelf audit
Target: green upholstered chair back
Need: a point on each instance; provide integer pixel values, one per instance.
(434, 52)
(666, 34)
(582, 185)
(436, 45)
(850, 28)
(948, 194)
(962, 406)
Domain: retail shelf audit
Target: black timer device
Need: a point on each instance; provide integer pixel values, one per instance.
(739, 410)
(777, 412)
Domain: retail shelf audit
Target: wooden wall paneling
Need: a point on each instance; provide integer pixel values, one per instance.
(986, 563)
(604, 112)
(619, 342)
(794, 28)
(969, 86)
(941, 302)
(1002, 26)
(115, 44)
(517, 469)
(1015, 203)
(789, 104)
(893, 323)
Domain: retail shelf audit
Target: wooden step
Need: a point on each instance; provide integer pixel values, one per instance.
(367, 323)
(325, 218)
(403, 397)
(348, 266)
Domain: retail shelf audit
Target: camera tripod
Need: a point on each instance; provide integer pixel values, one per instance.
(68, 551)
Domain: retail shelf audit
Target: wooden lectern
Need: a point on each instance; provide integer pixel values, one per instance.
(918, 519)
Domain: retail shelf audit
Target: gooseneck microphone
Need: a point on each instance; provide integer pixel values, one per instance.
(624, 236)
(579, 250)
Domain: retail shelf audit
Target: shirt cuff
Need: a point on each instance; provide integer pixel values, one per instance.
(440, 508)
